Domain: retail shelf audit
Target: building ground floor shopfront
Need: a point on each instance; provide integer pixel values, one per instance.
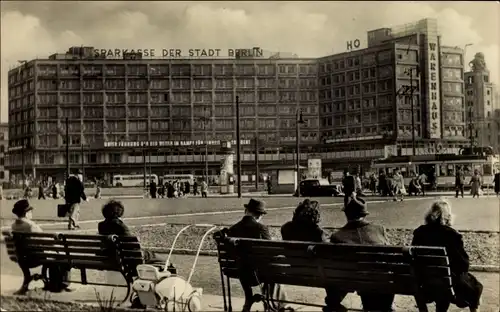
(102, 164)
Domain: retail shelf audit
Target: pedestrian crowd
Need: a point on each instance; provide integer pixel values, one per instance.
(176, 189)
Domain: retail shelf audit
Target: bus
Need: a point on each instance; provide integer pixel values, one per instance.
(444, 167)
(133, 180)
(179, 178)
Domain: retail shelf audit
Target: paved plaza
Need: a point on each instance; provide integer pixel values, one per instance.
(470, 214)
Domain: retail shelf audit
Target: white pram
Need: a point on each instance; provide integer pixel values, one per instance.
(164, 289)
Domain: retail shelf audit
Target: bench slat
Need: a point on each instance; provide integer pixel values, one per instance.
(72, 257)
(337, 248)
(84, 264)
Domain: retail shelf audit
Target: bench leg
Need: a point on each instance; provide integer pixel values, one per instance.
(229, 305)
(129, 290)
(223, 290)
(27, 278)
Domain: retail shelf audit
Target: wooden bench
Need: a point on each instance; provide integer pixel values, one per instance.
(74, 251)
(401, 270)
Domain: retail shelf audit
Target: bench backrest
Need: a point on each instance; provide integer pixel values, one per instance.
(98, 252)
(383, 269)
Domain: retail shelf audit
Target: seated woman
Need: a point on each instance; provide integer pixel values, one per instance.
(438, 232)
(305, 224)
(112, 224)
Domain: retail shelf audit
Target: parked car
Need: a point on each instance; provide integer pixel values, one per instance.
(318, 188)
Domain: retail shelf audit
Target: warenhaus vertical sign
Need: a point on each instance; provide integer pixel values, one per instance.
(434, 111)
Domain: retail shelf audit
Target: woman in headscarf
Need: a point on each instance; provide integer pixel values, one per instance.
(305, 224)
(437, 232)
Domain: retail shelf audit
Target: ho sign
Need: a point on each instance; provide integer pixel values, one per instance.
(353, 44)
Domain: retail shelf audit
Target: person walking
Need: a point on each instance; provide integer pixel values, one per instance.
(399, 186)
(204, 189)
(475, 184)
(349, 185)
(195, 188)
(496, 181)
(152, 189)
(459, 182)
(74, 192)
(41, 191)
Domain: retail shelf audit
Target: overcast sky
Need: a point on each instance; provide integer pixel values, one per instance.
(309, 29)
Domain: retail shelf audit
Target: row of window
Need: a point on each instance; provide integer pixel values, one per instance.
(353, 76)
(382, 116)
(177, 69)
(354, 90)
(357, 131)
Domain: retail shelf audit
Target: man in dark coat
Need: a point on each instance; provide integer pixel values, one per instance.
(152, 189)
(496, 181)
(459, 182)
(74, 191)
(349, 185)
(359, 231)
(250, 226)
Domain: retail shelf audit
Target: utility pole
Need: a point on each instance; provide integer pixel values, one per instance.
(205, 120)
(471, 128)
(298, 122)
(83, 163)
(256, 162)
(67, 148)
(23, 165)
(238, 144)
(144, 163)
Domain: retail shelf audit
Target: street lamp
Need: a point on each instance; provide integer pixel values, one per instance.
(238, 144)
(205, 119)
(299, 121)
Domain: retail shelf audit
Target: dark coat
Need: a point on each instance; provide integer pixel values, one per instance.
(349, 184)
(74, 191)
(467, 288)
(459, 178)
(360, 232)
(248, 227)
(113, 226)
(497, 182)
(294, 231)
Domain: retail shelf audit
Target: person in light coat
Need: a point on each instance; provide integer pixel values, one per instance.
(399, 185)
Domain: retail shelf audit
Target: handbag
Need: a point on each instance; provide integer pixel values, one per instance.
(62, 210)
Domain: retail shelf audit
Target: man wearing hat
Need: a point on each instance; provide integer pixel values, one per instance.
(58, 276)
(359, 231)
(74, 191)
(22, 209)
(250, 226)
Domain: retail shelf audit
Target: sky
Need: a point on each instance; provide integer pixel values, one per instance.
(31, 29)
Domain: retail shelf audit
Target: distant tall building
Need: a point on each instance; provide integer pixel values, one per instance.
(482, 105)
(359, 105)
(130, 113)
(4, 146)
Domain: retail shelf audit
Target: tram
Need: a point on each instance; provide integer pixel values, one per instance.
(442, 166)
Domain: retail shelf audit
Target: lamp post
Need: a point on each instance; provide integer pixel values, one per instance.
(299, 121)
(67, 148)
(238, 144)
(205, 119)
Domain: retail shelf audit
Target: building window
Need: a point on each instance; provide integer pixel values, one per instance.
(470, 79)
(486, 79)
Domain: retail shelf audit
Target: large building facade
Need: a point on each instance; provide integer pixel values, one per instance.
(121, 112)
